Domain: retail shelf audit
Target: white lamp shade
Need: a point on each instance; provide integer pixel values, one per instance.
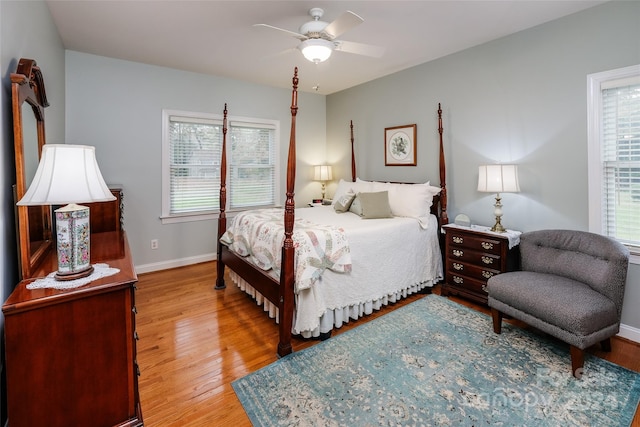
(316, 50)
(67, 174)
(322, 173)
(498, 179)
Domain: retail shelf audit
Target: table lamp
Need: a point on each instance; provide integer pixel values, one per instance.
(498, 179)
(66, 175)
(322, 173)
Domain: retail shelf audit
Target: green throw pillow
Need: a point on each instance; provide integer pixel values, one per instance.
(374, 205)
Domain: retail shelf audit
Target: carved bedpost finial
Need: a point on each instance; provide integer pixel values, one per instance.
(294, 93)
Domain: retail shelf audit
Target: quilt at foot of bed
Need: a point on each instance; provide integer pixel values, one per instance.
(331, 318)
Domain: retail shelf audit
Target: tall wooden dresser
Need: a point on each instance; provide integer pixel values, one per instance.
(472, 256)
(71, 354)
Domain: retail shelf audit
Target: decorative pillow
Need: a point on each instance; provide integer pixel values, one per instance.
(356, 205)
(344, 202)
(374, 205)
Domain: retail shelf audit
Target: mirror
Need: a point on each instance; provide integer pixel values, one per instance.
(29, 100)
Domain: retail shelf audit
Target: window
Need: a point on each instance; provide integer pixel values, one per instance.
(192, 146)
(614, 155)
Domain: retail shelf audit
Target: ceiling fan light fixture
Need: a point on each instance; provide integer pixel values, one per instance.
(316, 50)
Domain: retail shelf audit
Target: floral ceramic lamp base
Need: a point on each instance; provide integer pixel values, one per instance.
(72, 232)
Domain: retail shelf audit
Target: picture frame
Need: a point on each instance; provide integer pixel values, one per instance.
(400, 144)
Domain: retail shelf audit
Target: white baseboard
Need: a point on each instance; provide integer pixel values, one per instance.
(630, 333)
(165, 265)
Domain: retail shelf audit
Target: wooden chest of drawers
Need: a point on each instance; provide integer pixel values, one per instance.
(71, 354)
(472, 256)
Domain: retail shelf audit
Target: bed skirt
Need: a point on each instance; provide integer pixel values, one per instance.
(332, 318)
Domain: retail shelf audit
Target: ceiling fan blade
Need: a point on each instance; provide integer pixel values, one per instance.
(291, 33)
(341, 24)
(360, 48)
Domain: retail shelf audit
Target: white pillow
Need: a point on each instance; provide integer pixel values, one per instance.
(411, 200)
(377, 186)
(434, 190)
(345, 187)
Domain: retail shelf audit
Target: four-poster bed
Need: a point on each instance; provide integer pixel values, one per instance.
(351, 281)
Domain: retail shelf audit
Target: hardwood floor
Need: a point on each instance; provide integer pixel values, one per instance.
(195, 341)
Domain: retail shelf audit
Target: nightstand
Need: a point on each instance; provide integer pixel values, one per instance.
(474, 254)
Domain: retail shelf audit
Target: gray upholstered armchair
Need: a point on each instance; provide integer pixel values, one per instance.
(571, 286)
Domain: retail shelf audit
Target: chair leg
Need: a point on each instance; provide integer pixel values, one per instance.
(577, 361)
(497, 320)
(606, 344)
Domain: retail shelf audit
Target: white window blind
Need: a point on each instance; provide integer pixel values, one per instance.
(252, 165)
(613, 107)
(192, 147)
(195, 146)
(621, 159)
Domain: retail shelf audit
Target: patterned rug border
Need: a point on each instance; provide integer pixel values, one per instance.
(598, 372)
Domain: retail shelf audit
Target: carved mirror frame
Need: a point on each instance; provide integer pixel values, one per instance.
(29, 100)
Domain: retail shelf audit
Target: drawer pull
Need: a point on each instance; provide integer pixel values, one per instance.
(487, 245)
(458, 280)
(487, 260)
(134, 310)
(458, 253)
(458, 266)
(458, 239)
(486, 274)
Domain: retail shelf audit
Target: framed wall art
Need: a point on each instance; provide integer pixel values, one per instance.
(400, 146)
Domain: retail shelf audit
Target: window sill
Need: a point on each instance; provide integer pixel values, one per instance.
(175, 219)
(212, 215)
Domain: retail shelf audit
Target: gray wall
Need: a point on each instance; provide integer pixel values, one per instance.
(26, 31)
(117, 106)
(520, 99)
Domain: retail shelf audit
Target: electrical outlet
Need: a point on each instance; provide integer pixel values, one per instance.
(154, 244)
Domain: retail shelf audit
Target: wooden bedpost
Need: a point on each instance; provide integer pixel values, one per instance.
(287, 276)
(353, 156)
(444, 218)
(222, 219)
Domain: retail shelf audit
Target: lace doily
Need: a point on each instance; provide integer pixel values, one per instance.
(99, 271)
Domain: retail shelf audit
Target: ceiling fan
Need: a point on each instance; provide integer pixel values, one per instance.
(319, 38)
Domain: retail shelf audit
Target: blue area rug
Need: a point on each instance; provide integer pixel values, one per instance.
(435, 362)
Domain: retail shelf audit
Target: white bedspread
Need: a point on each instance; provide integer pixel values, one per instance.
(391, 258)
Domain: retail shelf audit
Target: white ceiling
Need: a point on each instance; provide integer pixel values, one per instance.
(218, 37)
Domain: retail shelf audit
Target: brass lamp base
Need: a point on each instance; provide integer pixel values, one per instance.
(497, 227)
(63, 277)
